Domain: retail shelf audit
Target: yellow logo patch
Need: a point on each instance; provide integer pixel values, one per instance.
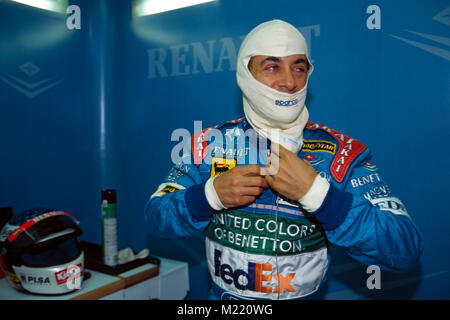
(221, 165)
(169, 189)
(319, 145)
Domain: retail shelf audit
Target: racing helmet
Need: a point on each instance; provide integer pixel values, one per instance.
(40, 251)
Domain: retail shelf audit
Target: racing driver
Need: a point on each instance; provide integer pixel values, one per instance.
(274, 190)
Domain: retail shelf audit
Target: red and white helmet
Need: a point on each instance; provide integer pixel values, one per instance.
(40, 251)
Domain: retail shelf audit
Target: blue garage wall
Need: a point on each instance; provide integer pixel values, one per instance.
(128, 83)
(47, 118)
(370, 84)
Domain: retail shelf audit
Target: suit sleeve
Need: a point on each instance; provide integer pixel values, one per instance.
(365, 217)
(179, 207)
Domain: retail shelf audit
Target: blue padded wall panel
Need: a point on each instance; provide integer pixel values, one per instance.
(46, 119)
(82, 110)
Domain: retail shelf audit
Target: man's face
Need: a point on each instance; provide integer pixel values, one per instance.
(285, 74)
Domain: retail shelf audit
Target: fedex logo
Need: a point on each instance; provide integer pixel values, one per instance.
(254, 277)
(68, 274)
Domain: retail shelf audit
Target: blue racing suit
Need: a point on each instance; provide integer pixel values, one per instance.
(272, 248)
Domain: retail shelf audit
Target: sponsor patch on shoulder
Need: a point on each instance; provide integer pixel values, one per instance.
(319, 146)
(167, 188)
(349, 149)
(370, 166)
(221, 165)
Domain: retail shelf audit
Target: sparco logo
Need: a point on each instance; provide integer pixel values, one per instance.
(286, 103)
(68, 274)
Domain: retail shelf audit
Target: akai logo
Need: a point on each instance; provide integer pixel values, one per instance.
(69, 273)
(254, 276)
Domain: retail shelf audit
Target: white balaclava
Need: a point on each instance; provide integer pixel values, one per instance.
(278, 116)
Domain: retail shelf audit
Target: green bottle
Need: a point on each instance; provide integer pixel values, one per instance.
(109, 227)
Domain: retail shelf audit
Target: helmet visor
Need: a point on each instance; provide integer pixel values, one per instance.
(55, 253)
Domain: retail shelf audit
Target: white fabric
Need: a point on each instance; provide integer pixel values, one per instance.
(127, 255)
(278, 123)
(313, 199)
(211, 195)
(308, 270)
